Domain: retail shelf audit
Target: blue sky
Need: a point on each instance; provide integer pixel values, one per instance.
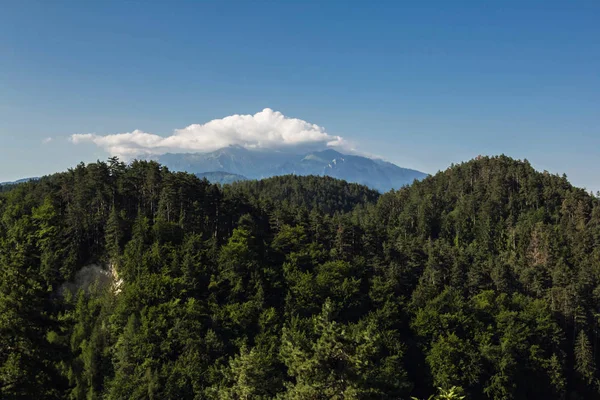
(422, 84)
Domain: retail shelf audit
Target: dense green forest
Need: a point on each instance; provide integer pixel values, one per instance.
(132, 282)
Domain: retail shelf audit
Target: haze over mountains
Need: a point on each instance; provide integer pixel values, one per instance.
(238, 163)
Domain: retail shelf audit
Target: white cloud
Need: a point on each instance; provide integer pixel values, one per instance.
(267, 129)
(47, 140)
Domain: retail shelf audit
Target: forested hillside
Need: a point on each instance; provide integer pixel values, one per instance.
(132, 282)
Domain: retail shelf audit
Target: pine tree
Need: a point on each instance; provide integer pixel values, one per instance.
(584, 360)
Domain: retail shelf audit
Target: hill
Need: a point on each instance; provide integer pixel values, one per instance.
(484, 277)
(258, 164)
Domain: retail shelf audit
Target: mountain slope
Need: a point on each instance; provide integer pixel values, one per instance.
(233, 159)
(221, 177)
(258, 164)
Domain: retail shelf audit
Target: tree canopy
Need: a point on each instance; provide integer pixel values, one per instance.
(130, 281)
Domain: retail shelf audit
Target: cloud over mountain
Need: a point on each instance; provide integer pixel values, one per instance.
(267, 129)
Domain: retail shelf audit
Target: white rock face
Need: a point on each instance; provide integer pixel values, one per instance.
(95, 277)
(117, 282)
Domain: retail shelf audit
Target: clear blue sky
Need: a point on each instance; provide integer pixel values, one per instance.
(422, 83)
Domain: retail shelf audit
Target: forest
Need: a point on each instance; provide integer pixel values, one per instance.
(129, 281)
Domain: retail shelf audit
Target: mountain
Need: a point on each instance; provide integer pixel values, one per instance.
(221, 177)
(18, 181)
(234, 159)
(258, 164)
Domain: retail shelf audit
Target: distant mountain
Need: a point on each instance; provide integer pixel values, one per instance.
(258, 164)
(233, 159)
(221, 177)
(18, 181)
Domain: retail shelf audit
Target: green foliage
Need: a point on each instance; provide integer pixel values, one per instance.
(450, 394)
(130, 281)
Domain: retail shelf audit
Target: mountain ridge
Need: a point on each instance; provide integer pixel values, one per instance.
(258, 164)
(22, 180)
